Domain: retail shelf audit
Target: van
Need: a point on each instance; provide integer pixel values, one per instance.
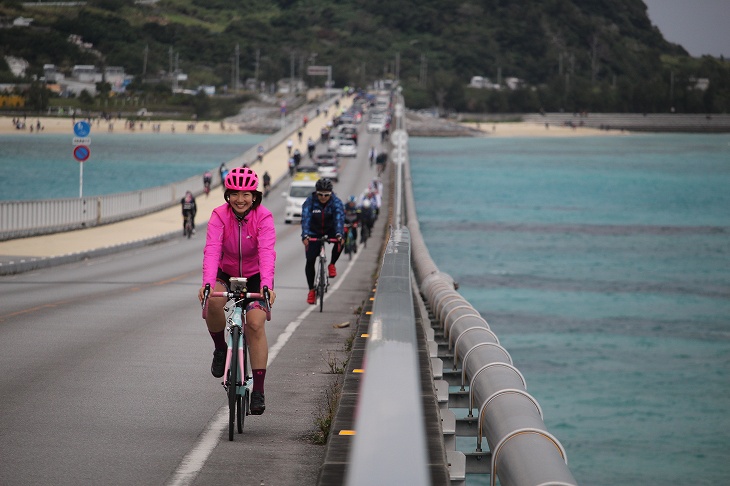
(302, 185)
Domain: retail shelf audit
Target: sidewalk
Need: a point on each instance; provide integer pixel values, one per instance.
(25, 254)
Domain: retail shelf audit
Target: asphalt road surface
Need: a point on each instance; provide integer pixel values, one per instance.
(105, 365)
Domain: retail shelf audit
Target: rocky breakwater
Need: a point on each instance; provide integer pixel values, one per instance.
(428, 125)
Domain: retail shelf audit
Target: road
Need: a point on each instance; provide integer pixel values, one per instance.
(105, 366)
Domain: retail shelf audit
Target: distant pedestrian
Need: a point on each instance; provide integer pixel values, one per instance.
(267, 183)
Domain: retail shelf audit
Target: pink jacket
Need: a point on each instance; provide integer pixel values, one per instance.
(241, 249)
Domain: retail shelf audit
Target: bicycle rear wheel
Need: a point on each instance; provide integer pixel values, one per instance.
(321, 284)
(233, 398)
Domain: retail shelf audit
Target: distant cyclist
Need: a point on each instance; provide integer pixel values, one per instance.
(267, 183)
(352, 217)
(311, 145)
(322, 214)
(367, 219)
(240, 243)
(207, 180)
(189, 208)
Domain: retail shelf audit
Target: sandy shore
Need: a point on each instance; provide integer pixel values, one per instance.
(525, 129)
(65, 125)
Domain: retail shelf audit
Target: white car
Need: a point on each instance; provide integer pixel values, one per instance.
(334, 142)
(347, 148)
(376, 125)
(329, 170)
(302, 185)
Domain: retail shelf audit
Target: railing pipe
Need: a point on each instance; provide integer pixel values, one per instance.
(523, 452)
(390, 441)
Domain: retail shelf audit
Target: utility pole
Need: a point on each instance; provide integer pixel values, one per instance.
(424, 71)
(238, 72)
(397, 66)
(291, 73)
(258, 59)
(144, 62)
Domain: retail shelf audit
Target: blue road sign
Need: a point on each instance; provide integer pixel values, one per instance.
(82, 128)
(82, 153)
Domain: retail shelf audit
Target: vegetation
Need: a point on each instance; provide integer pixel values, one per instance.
(572, 55)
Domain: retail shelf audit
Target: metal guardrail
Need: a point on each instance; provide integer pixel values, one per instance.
(523, 452)
(390, 445)
(19, 219)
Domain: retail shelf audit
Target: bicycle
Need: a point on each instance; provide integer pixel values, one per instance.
(350, 239)
(238, 383)
(321, 279)
(364, 235)
(188, 225)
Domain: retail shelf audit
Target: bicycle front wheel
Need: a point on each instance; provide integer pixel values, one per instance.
(233, 379)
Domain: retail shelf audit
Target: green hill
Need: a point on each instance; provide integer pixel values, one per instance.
(572, 55)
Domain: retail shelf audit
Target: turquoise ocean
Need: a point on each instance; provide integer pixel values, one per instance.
(601, 263)
(42, 166)
(603, 266)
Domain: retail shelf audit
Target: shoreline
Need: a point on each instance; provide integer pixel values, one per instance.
(56, 125)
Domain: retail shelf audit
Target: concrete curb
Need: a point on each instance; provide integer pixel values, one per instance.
(26, 265)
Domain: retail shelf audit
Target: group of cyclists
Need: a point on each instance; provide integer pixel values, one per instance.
(240, 242)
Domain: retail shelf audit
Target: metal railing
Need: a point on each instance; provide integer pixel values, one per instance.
(390, 445)
(523, 452)
(19, 219)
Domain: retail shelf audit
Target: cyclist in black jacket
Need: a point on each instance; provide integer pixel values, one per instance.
(322, 214)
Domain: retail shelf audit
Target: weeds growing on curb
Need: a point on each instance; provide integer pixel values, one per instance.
(326, 412)
(337, 366)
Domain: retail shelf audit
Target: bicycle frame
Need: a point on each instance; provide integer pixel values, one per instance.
(238, 319)
(321, 280)
(188, 225)
(237, 383)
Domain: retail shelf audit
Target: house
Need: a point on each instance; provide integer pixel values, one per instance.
(17, 65)
(84, 73)
(22, 22)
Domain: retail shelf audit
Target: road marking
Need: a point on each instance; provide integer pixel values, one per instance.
(194, 460)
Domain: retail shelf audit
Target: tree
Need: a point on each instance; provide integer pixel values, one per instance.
(37, 96)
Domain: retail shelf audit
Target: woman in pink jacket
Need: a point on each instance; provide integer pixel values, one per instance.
(240, 243)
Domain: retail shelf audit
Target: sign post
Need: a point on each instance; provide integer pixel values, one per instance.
(81, 151)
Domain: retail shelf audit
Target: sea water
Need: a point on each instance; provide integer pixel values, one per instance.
(603, 266)
(42, 166)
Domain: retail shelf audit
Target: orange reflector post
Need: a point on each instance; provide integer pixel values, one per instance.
(347, 432)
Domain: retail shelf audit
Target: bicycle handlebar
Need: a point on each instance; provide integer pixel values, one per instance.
(325, 239)
(238, 296)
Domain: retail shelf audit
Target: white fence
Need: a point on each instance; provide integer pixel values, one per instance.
(19, 219)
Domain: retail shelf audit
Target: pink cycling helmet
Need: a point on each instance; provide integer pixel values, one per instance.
(242, 179)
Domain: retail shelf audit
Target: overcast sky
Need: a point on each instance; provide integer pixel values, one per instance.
(700, 26)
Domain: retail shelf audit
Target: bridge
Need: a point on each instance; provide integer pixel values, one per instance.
(429, 356)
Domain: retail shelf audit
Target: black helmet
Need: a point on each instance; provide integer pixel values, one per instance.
(323, 185)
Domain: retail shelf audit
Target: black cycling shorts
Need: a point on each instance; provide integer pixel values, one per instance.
(253, 284)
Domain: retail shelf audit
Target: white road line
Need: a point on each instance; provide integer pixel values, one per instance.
(194, 460)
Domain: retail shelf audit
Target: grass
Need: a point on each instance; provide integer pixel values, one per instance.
(326, 413)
